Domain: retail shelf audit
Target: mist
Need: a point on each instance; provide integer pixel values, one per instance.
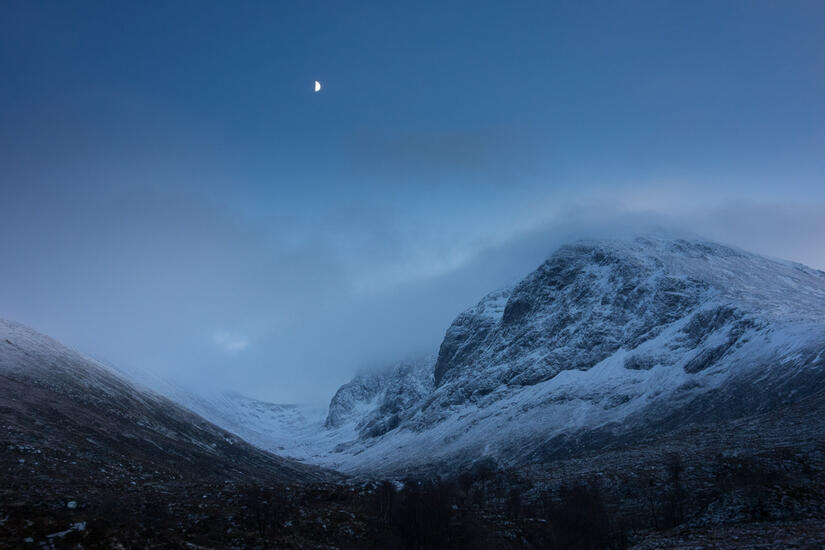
(175, 287)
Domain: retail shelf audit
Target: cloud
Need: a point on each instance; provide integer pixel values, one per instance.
(137, 275)
(230, 342)
(433, 157)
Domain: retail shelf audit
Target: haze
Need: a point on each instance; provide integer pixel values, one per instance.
(176, 201)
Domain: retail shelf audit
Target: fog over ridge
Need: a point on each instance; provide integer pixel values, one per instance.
(210, 300)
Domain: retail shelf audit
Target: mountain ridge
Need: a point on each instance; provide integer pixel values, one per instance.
(82, 415)
(617, 337)
(605, 343)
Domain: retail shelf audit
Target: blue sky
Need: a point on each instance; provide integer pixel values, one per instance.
(176, 199)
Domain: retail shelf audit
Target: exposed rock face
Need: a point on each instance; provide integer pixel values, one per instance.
(578, 308)
(590, 300)
(377, 402)
(605, 341)
(354, 398)
(465, 336)
(85, 422)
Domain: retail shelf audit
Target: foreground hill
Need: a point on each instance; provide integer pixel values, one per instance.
(89, 460)
(64, 413)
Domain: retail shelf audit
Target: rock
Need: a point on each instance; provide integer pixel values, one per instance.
(377, 402)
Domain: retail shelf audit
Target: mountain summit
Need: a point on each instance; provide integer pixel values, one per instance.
(605, 343)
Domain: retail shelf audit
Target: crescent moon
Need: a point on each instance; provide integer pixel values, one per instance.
(317, 86)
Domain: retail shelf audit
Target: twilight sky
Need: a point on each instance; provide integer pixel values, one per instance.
(175, 199)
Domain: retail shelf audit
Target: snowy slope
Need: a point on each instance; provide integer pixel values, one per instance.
(77, 416)
(372, 403)
(604, 344)
(609, 341)
(287, 430)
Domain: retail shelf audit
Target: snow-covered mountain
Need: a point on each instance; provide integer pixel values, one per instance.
(605, 342)
(629, 362)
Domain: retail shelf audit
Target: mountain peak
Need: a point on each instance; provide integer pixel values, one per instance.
(607, 337)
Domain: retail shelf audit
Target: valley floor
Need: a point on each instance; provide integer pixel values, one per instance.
(642, 498)
(322, 516)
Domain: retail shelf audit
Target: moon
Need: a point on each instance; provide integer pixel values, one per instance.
(317, 86)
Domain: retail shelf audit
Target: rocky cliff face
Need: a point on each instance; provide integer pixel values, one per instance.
(606, 341)
(581, 306)
(377, 402)
(591, 300)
